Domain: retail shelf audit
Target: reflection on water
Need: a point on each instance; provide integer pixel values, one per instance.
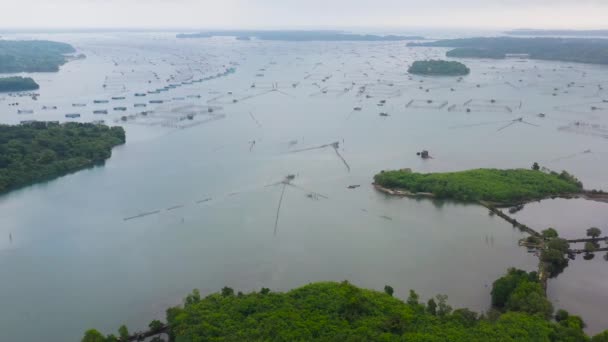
(75, 263)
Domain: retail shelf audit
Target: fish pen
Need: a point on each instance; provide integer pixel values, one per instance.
(491, 105)
(585, 128)
(426, 104)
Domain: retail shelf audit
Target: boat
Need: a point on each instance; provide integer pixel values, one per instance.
(140, 94)
(156, 101)
(118, 98)
(79, 105)
(100, 101)
(72, 115)
(122, 109)
(25, 111)
(49, 107)
(100, 111)
(139, 105)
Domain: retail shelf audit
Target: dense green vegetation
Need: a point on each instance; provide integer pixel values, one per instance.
(438, 68)
(560, 49)
(492, 185)
(38, 151)
(17, 84)
(554, 253)
(343, 312)
(32, 55)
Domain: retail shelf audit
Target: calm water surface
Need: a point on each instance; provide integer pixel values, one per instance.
(75, 263)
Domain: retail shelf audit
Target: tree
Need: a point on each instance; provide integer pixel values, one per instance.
(535, 166)
(93, 335)
(504, 286)
(443, 309)
(529, 297)
(389, 290)
(561, 315)
(155, 325)
(549, 233)
(431, 307)
(123, 332)
(192, 298)
(413, 298)
(465, 316)
(227, 291)
(601, 337)
(594, 232)
(558, 244)
(264, 291)
(555, 261)
(589, 247)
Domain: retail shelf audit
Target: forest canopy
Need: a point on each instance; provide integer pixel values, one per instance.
(32, 55)
(492, 185)
(39, 151)
(439, 68)
(17, 84)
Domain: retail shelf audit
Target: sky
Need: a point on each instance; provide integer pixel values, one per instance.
(302, 14)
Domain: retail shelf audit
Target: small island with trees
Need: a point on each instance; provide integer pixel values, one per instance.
(40, 151)
(330, 311)
(438, 68)
(33, 55)
(495, 186)
(14, 84)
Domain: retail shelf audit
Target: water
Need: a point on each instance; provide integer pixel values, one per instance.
(74, 263)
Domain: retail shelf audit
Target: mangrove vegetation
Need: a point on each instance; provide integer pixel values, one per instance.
(496, 186)
(39, 151)
(330, 311)
(580, 50)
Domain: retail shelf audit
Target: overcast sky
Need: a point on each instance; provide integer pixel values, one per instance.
(303, 13)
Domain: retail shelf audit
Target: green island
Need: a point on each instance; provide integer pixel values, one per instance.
(438, 68)
(40, 151)
(499, 187)
(330, 311)
(9, 84)
(32, 55)
(581, 50)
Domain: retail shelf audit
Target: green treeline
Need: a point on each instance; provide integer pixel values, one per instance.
(331, 311)
(17, 84)
(39, 151)
(438, 68)
(580, 50)
(32, 55)
(492, 185)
